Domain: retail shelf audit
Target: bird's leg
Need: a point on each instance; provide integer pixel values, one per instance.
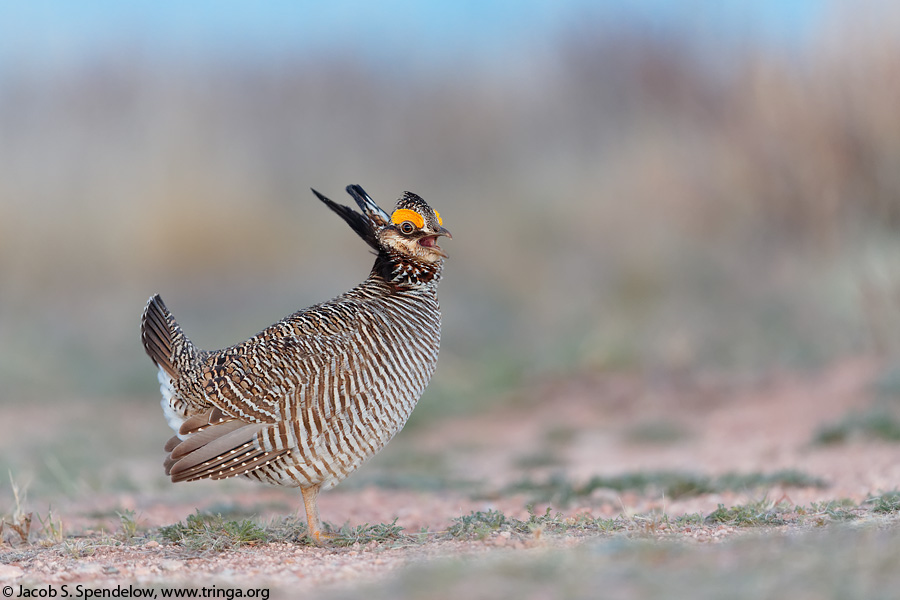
(313, 524)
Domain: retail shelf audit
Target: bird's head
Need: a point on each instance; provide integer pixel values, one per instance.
(414, 229)
(410, 232)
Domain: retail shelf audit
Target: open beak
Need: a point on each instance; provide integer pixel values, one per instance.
(430, 241)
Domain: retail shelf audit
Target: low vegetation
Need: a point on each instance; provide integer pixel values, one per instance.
(212, 532)
(204, 532)
(561, 491)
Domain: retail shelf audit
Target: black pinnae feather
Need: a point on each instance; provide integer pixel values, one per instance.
(359, 223)
(368, 206)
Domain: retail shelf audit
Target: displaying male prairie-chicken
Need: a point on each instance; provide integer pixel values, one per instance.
(304, 402)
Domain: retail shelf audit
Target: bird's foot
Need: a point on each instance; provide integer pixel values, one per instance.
(322, 538)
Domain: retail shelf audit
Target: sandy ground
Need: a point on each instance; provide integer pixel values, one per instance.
(581, 427)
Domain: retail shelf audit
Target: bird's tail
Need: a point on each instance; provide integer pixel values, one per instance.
(163, 339)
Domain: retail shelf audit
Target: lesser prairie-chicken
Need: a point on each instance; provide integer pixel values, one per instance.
(304, 402)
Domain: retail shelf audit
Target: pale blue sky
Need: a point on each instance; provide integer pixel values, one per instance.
(48, 32)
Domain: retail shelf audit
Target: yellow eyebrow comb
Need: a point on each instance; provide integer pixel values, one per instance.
(404, 214)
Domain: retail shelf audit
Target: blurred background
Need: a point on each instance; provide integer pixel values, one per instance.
(656, 187)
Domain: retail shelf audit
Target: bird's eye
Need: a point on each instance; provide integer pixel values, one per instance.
(407, 227)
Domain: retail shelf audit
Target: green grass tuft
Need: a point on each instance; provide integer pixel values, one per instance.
(364, 534)
(212, 532)
(129, 525)
(481, 524)
(51, 529)
(747, 515)
(886, 503)
(835, 510)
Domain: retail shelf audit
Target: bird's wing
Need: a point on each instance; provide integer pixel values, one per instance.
(250, 393)
(212, 445)
(259, 381)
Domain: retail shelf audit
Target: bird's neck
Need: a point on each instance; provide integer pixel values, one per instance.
(401, 272)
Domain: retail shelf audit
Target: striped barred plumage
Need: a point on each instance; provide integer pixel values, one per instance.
(307, 400)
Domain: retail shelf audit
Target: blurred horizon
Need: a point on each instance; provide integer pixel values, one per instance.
(51, 34)
(651, 186)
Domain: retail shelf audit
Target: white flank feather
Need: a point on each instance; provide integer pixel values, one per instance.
(168, 401)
